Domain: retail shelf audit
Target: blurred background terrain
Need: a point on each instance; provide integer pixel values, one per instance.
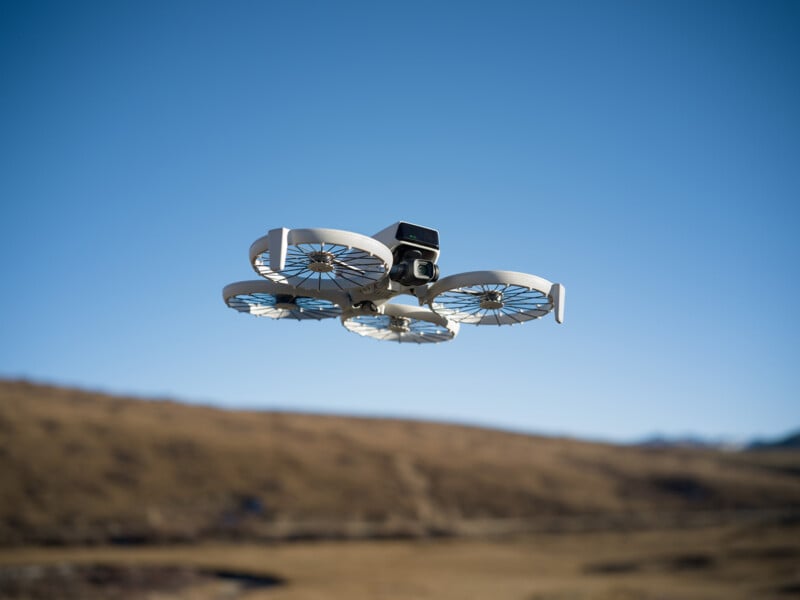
(144, 496)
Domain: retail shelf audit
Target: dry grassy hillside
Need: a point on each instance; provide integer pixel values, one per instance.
(78, 467)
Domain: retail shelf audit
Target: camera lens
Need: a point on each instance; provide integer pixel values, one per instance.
(423, 268)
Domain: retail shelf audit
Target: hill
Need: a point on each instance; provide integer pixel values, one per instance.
(80, 467)
(791, 441)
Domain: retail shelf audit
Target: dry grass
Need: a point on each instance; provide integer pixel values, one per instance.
(728, 562)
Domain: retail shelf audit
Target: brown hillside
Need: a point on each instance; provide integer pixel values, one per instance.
(79, 467)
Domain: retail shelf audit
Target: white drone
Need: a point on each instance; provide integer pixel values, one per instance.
(325, 273)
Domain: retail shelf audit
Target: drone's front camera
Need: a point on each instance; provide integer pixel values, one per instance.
(411, 270)
(425, 270)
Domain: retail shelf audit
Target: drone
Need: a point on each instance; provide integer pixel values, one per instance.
(316, 274)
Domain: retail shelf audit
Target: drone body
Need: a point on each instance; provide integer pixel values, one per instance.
(324, 273)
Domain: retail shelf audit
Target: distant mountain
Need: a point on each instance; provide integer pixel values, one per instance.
(689, 442)
(80, 467)
(789, 442)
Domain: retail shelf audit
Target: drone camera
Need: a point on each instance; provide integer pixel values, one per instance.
(415, 250)
(411, 270)
(425, 269)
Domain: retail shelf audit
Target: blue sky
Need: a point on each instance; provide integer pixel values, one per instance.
(644, 154)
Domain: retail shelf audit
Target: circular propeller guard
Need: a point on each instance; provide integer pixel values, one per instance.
(403, 324)
(278, 301)
(491, 297)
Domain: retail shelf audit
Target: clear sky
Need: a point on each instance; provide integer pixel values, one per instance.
(644, 154)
